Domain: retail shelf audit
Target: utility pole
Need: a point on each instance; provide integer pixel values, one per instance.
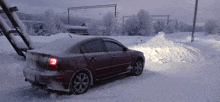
(115, 11)
(194, 21)
(68, 16)
(168, 19)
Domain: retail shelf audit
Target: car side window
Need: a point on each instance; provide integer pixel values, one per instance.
(93, 46)
(111, 46)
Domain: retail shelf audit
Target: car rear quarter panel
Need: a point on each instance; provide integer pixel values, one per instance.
(137, 55)
(72, 63)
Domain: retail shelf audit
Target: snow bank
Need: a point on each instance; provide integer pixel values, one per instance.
(160, 50)
(211, 40)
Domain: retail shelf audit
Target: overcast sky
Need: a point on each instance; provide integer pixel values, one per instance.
(178, 9)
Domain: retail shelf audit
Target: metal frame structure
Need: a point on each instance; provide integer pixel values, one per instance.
(168, 17)
(124, 19)
(18, 28)
(173, 20)
(90, 7)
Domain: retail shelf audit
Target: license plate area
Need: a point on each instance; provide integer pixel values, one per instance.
(30, 77)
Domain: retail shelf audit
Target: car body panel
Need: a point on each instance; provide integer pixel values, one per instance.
(73, 59)
(100, 62)
(120, 61)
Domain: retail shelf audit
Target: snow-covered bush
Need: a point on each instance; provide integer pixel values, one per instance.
(131, 26)
(183, 27)
(105, 26)
(139, 25)
(35, 28)
(145, 23)
(211, 27)
(159, 26)
(53, 23)
(45, 24)
(170, 28)
(95, 27)
(109, 22)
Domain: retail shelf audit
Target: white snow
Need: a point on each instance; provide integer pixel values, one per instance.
(176, 70)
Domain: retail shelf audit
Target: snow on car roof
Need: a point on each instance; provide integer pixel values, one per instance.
(63, 44)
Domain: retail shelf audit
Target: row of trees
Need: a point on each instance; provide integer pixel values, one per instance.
(106, 26)
(212, 27)
(41, 24)
(45, 24)
(140, 24)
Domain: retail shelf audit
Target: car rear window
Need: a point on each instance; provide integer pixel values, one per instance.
(96, 45)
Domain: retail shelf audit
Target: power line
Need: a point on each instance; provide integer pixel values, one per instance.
(168, 17)
(91, 7)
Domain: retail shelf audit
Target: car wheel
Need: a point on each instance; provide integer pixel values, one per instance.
(80, 83)
(137, 68)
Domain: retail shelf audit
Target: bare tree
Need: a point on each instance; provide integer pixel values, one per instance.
(95, 27)
(211, 26)
(109, 22)
(170, 28)
(145, 24)
(131, 26)
(52, 22)
(159, 26)
(139, 25)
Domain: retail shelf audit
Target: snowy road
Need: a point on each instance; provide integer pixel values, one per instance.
(176, 71)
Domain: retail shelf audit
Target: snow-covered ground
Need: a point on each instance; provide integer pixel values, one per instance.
(176, 70)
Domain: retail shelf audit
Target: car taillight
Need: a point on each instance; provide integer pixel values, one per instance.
(52, 64)
(52, 61)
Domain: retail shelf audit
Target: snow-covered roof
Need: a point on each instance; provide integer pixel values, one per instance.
(63, 44)
(76, 27)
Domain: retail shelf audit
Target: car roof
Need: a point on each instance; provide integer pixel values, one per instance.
(68, 45)
(62, 45)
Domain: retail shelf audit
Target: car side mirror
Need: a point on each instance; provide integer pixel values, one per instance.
(125, 49)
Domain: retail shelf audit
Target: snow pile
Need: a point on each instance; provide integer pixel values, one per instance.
(159, 49)
(211, 40)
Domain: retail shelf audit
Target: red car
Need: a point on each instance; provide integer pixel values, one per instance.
(73, 64)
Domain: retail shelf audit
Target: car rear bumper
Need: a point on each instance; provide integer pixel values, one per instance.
(52, 80)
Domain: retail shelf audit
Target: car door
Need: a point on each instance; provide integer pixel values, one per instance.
(121, 59)
(97, 57)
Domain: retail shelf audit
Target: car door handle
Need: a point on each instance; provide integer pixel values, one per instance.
(114, 56)
(92, 58)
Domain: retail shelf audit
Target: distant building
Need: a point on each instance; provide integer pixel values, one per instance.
(80, 30)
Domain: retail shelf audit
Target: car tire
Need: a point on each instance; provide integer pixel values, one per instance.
(80, 83)
(137, 68)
